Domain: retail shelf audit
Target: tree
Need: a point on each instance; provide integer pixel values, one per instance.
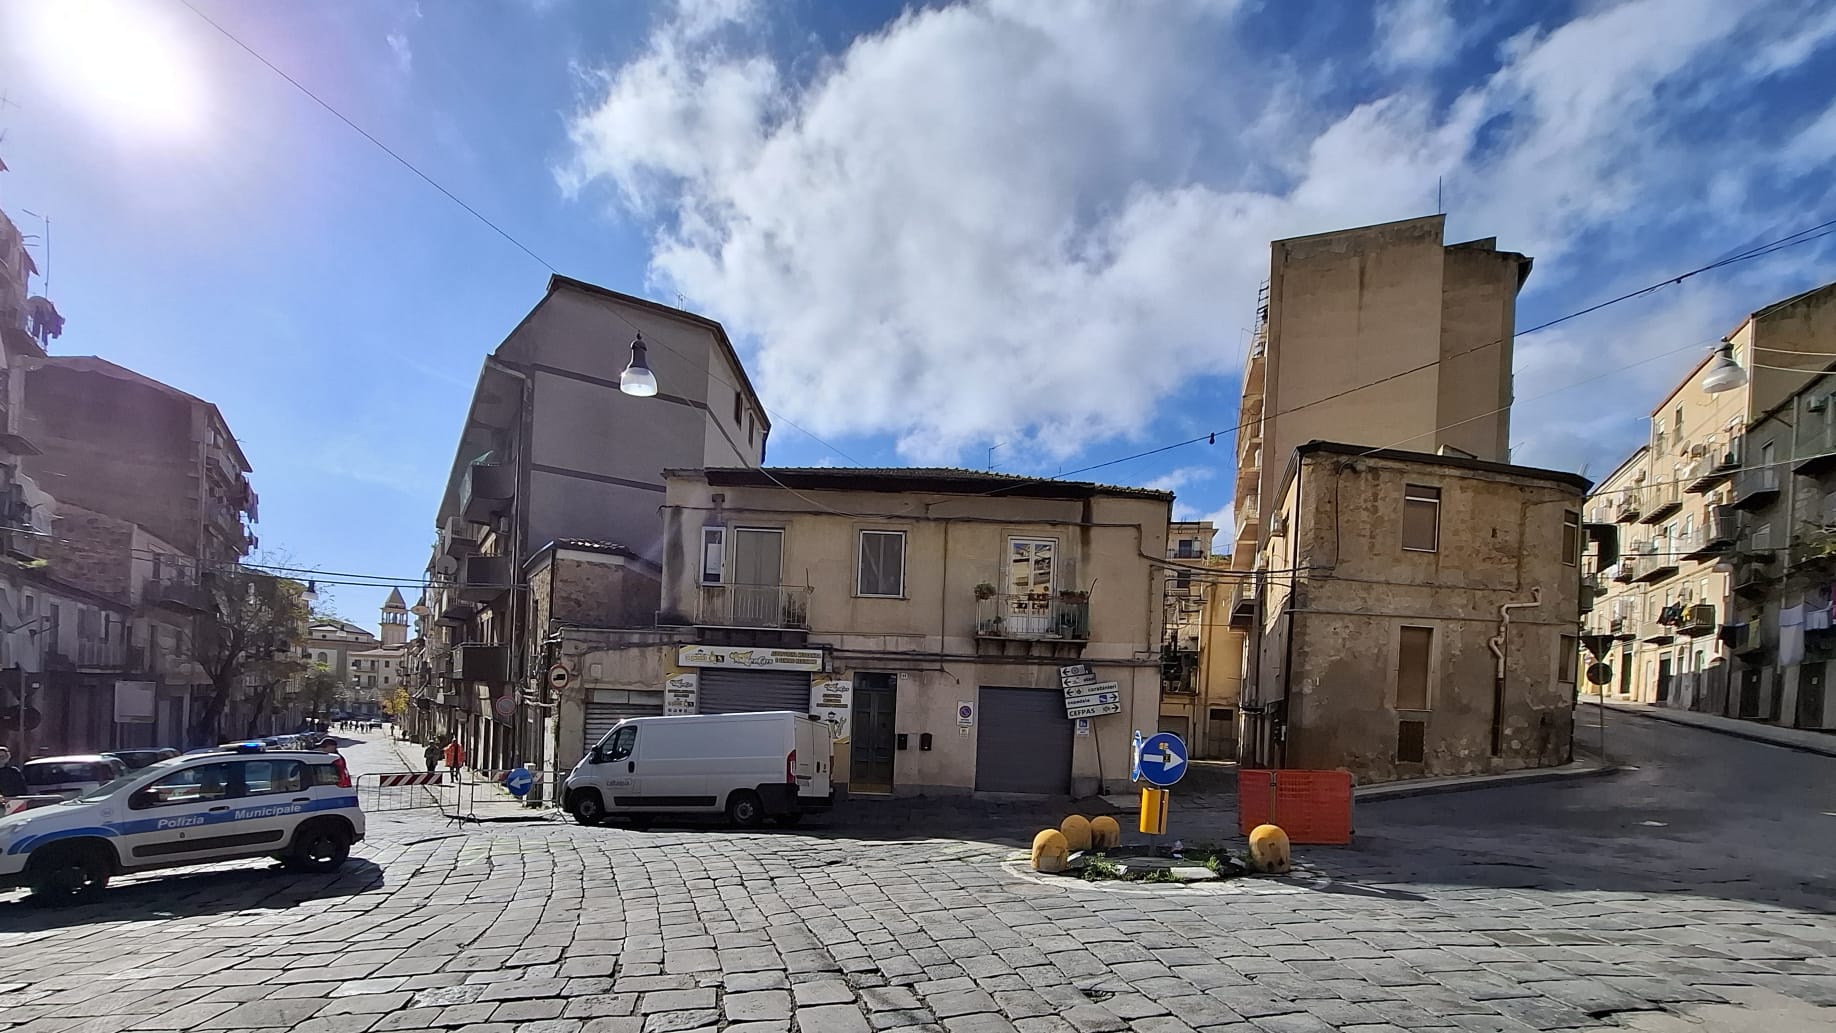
(317, 688)
(395, 701)
(250, 639)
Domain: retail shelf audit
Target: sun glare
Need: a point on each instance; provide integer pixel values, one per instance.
(122, 60)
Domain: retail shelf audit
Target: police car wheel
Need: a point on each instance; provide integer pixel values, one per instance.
(68, 875)
(319, 848)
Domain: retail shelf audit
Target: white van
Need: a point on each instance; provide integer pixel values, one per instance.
(751, 766)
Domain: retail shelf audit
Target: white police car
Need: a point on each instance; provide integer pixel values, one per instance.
(241, 801)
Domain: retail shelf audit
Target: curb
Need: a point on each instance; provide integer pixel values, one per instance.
(1377, 793)
(1656, 714)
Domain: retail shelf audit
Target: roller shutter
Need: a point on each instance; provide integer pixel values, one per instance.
(609, 707)
(726, 691)
(1023, 743)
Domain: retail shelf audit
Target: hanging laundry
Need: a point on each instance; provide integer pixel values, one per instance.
(1791, 635)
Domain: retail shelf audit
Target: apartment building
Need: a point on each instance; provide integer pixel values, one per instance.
(1415, 615)
(1381, 335)
(1710, 509)
(932, 616)
(1201, 655)
(550, 450)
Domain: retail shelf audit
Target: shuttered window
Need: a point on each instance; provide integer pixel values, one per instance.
(882, 563)
(1412, 663)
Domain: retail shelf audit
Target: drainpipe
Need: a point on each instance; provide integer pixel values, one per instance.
(1501, 646)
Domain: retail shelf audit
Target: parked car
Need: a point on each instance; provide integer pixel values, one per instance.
(137, 759)
(297, 807)
(70, 776)
(749, 766)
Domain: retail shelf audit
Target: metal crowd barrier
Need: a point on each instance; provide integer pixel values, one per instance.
(484, 787)
(398, 790)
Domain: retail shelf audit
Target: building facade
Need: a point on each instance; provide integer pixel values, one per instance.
(551, 450)
(1417, 615)
(1201, 655)
(1382, 335)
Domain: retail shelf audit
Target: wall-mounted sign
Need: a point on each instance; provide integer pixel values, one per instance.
(752, 659)
(1083, 728)
(681, 693)
(1072, 675)
(965, 713)
(558, 676)
(134, 702)
(832, 699)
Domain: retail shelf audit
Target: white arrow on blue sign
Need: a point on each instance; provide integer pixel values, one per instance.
(1161, 758)
(519, 781)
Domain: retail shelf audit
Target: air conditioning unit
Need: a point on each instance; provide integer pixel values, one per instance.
(1817, 404)
(1697, 451)
(1278, 524)
(503, 525)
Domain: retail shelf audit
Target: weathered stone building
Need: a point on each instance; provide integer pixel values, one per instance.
(1417, 615)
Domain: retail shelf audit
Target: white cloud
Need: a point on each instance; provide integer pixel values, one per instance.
(1000, 221)
(397, 37)
(1173, 480)
(1416, 34)
(1814, 146)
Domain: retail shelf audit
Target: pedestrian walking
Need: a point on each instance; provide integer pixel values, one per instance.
(433, 754)
(455, 758)
(12, 780)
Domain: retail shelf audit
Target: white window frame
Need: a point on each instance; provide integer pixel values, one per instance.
(1570, 518)
(1436, 500)
(717, 537)
(860, 564)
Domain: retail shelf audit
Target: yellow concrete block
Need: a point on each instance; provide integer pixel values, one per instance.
(1050, 851)
(1105, 833)
(1077, 832)
(1268, 849)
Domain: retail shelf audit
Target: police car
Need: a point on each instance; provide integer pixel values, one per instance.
(236, 802)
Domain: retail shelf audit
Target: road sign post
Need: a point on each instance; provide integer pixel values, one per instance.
(1160, 760)
(1154, 811)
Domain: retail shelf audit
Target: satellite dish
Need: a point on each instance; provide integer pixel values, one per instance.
(446, 565)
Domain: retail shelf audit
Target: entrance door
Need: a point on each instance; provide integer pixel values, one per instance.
(1810, 695)
(1749, 705)
(1663, 680)
(1031, 579)
(1625, 673)
(871, 739)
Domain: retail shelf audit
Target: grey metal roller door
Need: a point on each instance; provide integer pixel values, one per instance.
(1023, 743)
(600, 717)
(742, 692)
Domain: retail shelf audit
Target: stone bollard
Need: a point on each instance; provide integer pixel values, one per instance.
(1050, 851)
(1077, 832)
(1105, 833)
(1268, 850)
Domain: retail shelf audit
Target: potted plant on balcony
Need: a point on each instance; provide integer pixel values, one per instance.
(1072, 595)
(984, 591)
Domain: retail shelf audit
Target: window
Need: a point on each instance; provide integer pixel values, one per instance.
(1566, 663)
(752, 427)
(1413, 659)
(273, 776)
(1677, 422)
(193, 785)
(739, 407)
(882, 567)
(1029, 566)
(1421, 521)
(1409, 736)
(1571, 538)
(713, 541)
(624, 740)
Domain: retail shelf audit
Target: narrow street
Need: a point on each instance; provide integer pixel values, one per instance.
(1538, 907)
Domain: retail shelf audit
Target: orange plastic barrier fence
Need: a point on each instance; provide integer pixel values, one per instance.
(1310, 806)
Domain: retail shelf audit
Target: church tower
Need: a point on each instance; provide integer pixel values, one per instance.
(394, 619)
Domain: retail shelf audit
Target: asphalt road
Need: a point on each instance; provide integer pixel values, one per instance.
(1541, 907)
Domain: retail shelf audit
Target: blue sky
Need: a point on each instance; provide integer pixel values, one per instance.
(932, 229)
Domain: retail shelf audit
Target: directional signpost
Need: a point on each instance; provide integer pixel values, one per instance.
(1085, 696)
(519, 781)
(1159, 760)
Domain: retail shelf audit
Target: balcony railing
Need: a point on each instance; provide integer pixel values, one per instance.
(1661, 501)
(1627, 571)
(1815, 446)
(1039, 616)
(457, 538)
(754, 606)
(1719, 529)
(177, 596)
(1697, 619)
(96, 653)
(1718, 462)
(1630, 508)
(1652, 631)
(1757, 488)
(486, 491)
(475, 661)
(484, 578)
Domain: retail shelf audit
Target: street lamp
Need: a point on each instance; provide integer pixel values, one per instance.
(311, 595)
(637, 379)
(1724, 374)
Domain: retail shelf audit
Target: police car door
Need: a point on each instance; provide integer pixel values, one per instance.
(183, 817)
(271, 798)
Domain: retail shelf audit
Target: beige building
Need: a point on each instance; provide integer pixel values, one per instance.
(1201, 655)
(1382, 335)
(1418, 615)
(1706, 499)
(928, 614)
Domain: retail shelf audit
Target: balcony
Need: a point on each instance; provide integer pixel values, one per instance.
(1248, 517)
(1656, 561)
(486, 492)
(1748, 641)
(1652, 631)
(754, 606)
(457, 538)
(1663, 500)
(1591, 590)
(1243, 605)
(1710, 470)
(1752, 580)
(177, 596)
(456, 613)
(1720, 528)
(1630, 509)
(219, 461)
(484, 578)
(1698, 619)
(475, 661)
(1620, 628)
(1065, 617)
(1815, 445)
(1756, 489)
(97, 653)
(1627, 571)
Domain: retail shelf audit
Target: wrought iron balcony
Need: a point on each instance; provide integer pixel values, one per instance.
(1630, 508)
(1662, 500)
(1065, 616)
(754, 606)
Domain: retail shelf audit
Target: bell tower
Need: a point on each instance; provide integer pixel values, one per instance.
(394, 619)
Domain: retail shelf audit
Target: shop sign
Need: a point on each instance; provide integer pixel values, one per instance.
(752, 659)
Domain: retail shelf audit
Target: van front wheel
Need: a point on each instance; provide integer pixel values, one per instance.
(745, 809)
(588, 810)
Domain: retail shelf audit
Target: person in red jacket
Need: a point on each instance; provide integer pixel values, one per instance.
(455, 757)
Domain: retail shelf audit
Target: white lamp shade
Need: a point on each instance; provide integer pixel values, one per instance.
(637, 381)
(1724, 374)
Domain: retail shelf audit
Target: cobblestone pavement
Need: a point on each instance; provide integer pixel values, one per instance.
(1529, 908)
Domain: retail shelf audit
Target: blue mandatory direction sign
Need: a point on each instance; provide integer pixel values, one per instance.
(519, 780)
(1160, 759)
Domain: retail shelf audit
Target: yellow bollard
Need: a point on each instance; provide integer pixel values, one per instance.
(1268, 850)
(1154, 811)
(1105, 834)
(1050, 851)
(1077, 832)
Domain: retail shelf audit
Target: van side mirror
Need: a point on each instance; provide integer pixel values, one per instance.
(596, 756)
